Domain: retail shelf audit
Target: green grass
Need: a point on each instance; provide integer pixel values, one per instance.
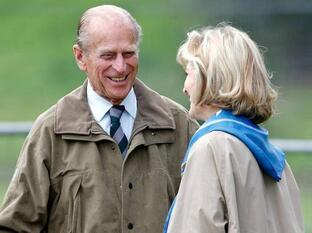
(293, 118)
(306, 203)
(9, 151)
(301, 164)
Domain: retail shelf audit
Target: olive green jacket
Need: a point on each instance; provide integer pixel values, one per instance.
(70, 176)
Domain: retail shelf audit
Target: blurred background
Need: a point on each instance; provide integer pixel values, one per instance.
(37, 66)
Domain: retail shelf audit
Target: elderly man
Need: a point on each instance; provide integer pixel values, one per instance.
(106, 157)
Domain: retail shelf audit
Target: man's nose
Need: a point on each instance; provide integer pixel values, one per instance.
(119, 64)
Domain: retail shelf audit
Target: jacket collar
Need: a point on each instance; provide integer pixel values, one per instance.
(73, 115)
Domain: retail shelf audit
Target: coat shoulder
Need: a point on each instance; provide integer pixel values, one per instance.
(174, 106)
(45, 120)
(180, 111)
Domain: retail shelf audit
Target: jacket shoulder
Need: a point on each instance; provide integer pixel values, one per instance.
(180, 112)
(47, 120)
(44, 120)
(174, 106)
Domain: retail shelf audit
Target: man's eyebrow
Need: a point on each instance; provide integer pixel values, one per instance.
(106, 50)
(111, 50)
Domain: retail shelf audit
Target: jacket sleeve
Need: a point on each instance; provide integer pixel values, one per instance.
(200, 205)
(25, 205)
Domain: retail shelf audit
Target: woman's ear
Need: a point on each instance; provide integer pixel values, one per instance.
(79, 57)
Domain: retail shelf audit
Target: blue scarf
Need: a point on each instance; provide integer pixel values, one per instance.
(270, 158)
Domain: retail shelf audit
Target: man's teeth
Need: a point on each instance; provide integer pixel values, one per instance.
(118, 79)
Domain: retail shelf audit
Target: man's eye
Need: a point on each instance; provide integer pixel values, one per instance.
(107, 56)
(128, 54)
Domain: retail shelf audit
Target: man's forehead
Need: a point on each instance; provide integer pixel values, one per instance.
(97, 25)
(116, 48)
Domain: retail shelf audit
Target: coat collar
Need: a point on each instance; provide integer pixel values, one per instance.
(73, 115)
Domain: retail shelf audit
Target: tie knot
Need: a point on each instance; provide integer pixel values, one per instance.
(116, 111)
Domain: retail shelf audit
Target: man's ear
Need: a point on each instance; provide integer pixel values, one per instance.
(80, 57)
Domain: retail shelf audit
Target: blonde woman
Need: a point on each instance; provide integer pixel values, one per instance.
(233, 179)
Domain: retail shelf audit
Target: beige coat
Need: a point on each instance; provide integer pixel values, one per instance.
(70, 176)
(223, 190)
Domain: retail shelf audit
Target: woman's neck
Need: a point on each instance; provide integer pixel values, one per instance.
(206, 111)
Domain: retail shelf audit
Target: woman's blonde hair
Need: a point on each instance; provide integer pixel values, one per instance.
(229, 70)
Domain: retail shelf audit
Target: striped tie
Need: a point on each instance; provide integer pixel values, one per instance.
(115, 131)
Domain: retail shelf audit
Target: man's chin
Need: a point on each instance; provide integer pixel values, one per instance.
(117, 99)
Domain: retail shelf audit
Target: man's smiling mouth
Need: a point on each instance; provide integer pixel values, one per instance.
(118, 79)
